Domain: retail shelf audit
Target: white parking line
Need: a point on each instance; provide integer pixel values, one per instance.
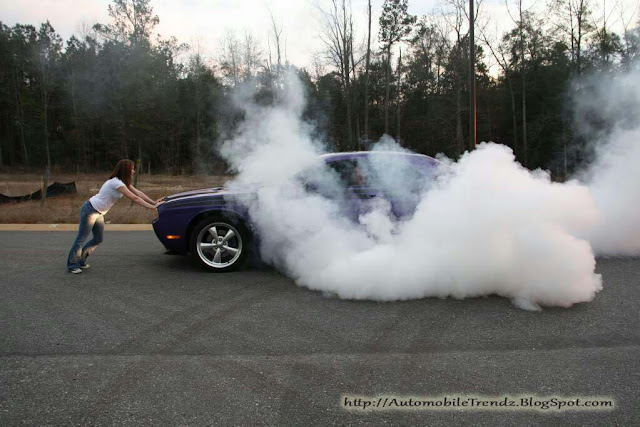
(72, 227)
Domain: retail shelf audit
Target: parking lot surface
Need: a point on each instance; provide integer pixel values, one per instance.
(144, 338)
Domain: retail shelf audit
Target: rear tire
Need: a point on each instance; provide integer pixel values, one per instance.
(219, 244)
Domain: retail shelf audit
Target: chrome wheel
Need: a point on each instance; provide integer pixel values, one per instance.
(219, 245)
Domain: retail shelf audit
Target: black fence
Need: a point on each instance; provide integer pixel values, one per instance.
(55, 189)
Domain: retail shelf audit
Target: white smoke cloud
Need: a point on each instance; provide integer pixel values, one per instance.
(613, 102)
(487, 226)
(272, 143)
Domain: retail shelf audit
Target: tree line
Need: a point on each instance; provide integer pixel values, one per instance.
(116, 91)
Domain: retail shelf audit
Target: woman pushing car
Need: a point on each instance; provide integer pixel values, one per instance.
(94, 209)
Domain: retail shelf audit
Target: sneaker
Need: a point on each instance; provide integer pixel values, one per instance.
(83, 266)
(75, 271)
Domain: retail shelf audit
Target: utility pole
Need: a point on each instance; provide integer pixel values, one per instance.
(472, 80)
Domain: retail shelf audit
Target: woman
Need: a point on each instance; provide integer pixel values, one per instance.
(94, 209)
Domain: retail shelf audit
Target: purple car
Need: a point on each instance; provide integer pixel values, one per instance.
(213, 224)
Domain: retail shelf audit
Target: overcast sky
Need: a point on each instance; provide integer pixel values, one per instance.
(209, 20)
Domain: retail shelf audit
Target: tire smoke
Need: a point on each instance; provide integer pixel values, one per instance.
(485, 226)
(608, 112)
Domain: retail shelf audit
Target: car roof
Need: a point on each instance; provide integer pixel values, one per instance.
(354, 155)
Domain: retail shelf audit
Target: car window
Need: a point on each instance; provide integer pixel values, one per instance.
(321, 180)
(394, 175)
(352, 173)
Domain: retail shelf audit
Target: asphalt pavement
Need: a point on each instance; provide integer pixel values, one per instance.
(144, 338)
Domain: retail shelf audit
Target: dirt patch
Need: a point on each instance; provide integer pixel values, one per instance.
(66, 209)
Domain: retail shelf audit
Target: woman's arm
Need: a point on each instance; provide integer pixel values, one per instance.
(132, 196)
(140, 194)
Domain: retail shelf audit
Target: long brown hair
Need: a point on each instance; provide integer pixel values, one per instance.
(122, 171)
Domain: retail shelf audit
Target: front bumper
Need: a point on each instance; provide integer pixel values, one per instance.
(164, 228)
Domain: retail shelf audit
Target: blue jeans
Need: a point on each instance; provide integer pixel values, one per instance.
(90, 220)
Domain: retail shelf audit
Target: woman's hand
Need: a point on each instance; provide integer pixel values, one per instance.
(158, 203)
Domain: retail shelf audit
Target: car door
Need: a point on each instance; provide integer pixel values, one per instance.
(401, 180)
(360, 194)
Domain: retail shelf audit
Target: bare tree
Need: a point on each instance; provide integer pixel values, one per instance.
(427, 59)
(455, 14)
(506, 66)
(26, 32)
(521, 21)
(399, 95)
(197, 69)
(319, 66)
(523, 79)
(231, 57)
(627, 17)
(276, 30)
(251, 55)
(366, 76)
(606, 47)
(575, 23)
(49, 48)
(337, 36)
(395, 25)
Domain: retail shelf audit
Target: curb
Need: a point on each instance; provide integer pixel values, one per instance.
(72, 227)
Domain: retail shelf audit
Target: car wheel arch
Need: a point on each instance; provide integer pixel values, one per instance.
(221, 214)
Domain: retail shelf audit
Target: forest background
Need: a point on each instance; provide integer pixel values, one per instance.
(118, 91)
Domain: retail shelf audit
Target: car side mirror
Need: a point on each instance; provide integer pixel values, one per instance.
(311, 187)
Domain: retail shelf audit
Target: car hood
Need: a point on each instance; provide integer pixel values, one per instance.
(211, 192)
(200, 192)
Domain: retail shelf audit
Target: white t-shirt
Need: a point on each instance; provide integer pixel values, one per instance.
(107, 195)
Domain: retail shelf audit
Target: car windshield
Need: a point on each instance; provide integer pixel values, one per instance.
(390, 174)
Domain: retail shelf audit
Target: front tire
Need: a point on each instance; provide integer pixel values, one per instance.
(219, 245)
